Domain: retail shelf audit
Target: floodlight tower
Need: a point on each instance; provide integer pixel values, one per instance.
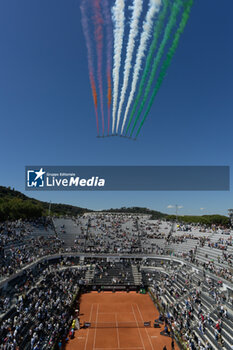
(177, 207)
(176, 212)
(49, 209)
(230, 212)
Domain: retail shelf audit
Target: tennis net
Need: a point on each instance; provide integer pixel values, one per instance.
(117, 324)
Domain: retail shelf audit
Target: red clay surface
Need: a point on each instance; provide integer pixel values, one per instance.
(118, 307)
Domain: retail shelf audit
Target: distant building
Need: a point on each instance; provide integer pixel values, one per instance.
(230, 212)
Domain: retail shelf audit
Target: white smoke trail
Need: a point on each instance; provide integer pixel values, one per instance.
(118, 20)
(137, 10)
(154, 7)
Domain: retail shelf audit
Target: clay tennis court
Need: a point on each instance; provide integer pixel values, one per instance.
(121, 316)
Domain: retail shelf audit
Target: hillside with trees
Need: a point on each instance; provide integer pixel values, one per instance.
(138, 210)
(203, 220)
(15, 205)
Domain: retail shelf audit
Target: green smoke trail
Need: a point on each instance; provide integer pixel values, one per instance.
(167, 34)
(157, 31)
(168, 60)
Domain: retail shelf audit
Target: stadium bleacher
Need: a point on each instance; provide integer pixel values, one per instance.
(188, 270)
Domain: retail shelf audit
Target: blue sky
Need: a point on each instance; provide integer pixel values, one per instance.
(47, 115)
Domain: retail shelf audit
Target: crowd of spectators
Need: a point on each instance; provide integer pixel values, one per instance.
(112, 234)
(113, 273)
(109, 233)
(186, 316)
(22, 243)
(43, 316)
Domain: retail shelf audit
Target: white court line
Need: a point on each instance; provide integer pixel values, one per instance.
(152, 347)
(118, 348)
(138, 328)
(96, 320)
(118, 339)
(88, 328)
(120, 312)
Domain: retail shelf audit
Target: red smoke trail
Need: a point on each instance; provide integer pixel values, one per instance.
(89, 58)
(109, 31)
(99, 44)
(94, 94)
(109, 98)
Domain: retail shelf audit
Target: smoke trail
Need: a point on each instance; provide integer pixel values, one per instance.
(108, 21)
(94, 93)
(98, 20)
(168, 60)
(154, 7)
(157, 31)
(109, 98)
(118, 19)
(84, 21)
(167, 34)
(137, 9)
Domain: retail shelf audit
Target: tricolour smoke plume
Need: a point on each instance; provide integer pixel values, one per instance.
(154, 7)
(136, 13)
(98, 21)
(89, 57)
(167, 35)
(119, 23)
(168, 59)
(157, 31)
(108, 20)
